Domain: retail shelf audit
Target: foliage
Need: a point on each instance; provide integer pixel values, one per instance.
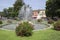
(17, 6)
(9, 21)
(50, 21)
(9, 12)
(1, 22)
(39, 20)
(24, 29)
(5, 12)
(57, 25)
(13, 11)
(16, 18)
(51, 8)
(1, 14)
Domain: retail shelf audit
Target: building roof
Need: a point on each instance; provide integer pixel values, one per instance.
(39, 10)
(35, 10)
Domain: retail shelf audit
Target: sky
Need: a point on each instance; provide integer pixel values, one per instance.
(35, 4)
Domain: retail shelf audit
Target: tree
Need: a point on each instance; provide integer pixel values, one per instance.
(5, 11)
(13, 11)
(52, 7)
(1, 14)
(8, 12)
(17, 6)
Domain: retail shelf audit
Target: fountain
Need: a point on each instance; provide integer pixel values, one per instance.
(25, 13)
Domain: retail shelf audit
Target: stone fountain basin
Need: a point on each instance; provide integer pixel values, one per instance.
(36, 26)
(40, 26)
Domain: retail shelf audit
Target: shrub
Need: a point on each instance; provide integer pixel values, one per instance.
(24, 29)
(39, 20)
(57, 25)
(9, 21)
(1, 22)
(50, 21)
(16, 19)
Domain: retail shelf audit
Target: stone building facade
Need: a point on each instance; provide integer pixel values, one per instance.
(38, 14)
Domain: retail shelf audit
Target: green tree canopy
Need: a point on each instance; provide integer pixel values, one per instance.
(13, 11)
(18, 4)
(52, 6)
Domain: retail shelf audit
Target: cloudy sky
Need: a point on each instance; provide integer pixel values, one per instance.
(35, 4)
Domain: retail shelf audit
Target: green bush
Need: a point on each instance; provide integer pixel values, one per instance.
(57, 25)
(24, 29)
(39, 20)
(1, 22)
(16, 19)
(50, 21)
(9, 21)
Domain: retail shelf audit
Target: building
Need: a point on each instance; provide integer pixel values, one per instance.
(35, 13)
(38, 14)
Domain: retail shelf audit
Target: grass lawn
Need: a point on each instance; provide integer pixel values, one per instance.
(38, 35)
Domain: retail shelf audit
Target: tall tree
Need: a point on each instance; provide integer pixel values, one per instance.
(18, 4)
(1, 14)
(5, 12)
(52, 8)
(13, 11)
